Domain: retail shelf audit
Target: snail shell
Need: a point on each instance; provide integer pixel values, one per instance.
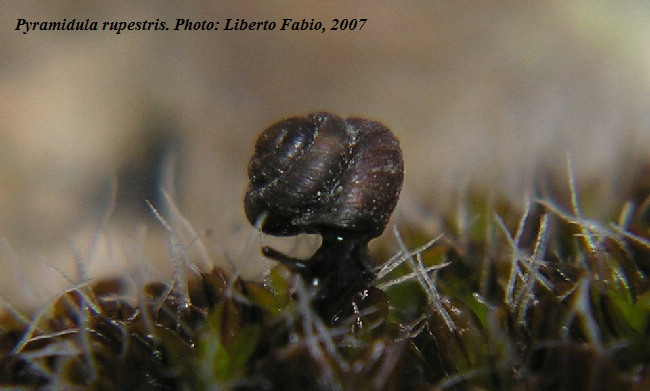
(322, 174)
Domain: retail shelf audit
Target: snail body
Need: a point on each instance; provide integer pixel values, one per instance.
(319, 172)
(338, 178)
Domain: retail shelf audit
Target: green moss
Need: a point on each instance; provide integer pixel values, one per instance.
(538, 297)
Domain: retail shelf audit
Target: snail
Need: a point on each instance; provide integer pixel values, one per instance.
(325, 175)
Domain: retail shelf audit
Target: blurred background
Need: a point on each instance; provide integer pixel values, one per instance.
(487, 92)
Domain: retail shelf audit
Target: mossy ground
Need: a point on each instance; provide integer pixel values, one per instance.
(549, 294)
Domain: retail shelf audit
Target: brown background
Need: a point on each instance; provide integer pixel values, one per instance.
(484, 92)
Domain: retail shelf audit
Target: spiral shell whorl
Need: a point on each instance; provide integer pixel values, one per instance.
(322, 173)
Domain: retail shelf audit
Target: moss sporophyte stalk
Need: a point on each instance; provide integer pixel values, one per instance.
(546, 294)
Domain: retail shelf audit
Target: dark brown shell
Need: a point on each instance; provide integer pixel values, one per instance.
(320, 173)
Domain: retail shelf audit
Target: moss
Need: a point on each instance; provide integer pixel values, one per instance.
(508, 298)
